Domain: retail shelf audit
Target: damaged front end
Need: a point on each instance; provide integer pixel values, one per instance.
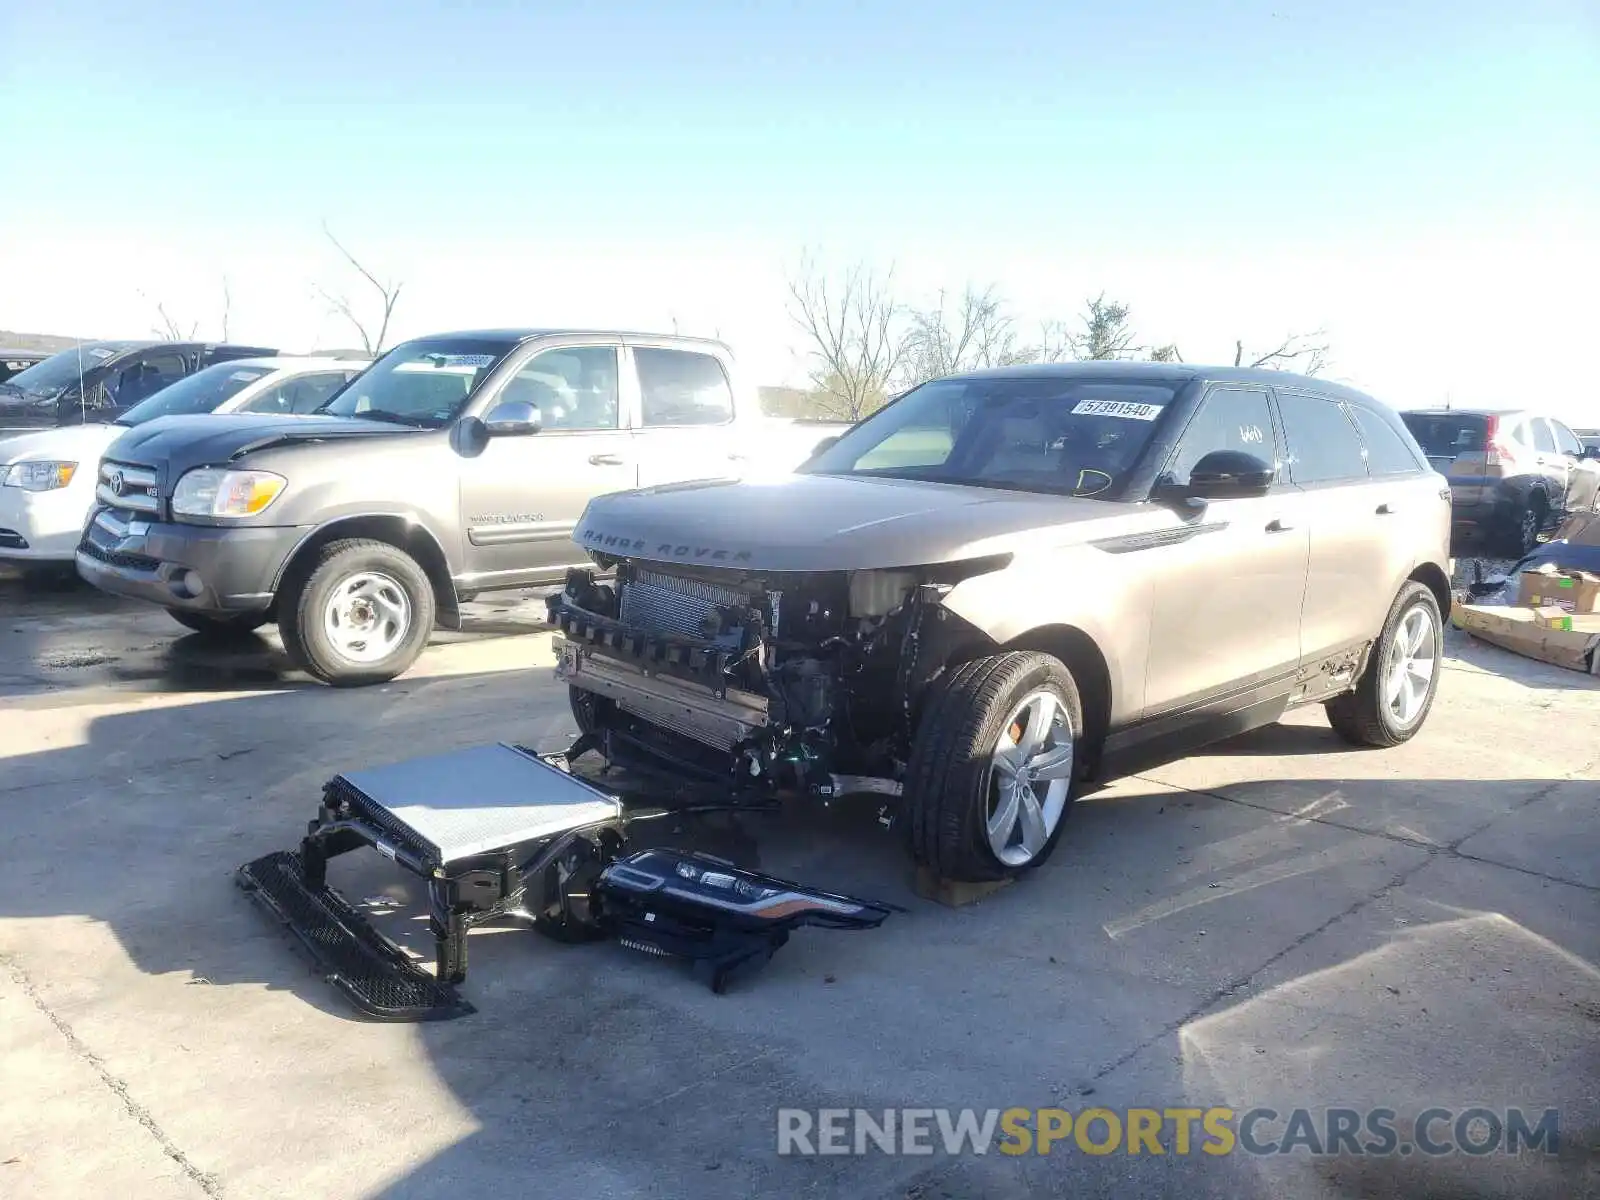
(807, 682)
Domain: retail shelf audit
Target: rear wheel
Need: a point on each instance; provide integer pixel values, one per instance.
(219, 625)
(994, 765)
(1396, 691)
(1522, 530)
(362, 615)
(585, 708)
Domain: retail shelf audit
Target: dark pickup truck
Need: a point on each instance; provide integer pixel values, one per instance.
(99, 381)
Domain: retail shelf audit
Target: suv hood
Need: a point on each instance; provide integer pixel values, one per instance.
(832, 523)
(212, 439)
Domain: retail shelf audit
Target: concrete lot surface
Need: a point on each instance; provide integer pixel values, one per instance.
(1280, 923)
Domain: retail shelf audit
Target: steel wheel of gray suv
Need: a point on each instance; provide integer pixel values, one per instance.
(1396, 691)
(994, 767)
(362, 615)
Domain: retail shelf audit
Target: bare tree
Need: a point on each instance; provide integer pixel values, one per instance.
(1168, 353)
(227, 306)
(1306, 353)
(1107, 332)
(167, 327)
(1055, 343)
(854, 335)
(978, 333)
(373, 330)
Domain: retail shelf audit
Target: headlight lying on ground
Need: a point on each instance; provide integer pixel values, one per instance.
(208, 492)
(39, 476)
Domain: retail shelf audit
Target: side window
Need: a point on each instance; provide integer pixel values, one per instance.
(144, 377)
(302, 394)
(1387, 452)
(1229, 418)
(574, 387)
(1566, 441)
(1543, 440)
(1323, 444)
(678, 387)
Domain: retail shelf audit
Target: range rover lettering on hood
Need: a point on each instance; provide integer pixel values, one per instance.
(619, 544)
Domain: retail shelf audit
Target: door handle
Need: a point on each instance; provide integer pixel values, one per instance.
(605, 460)
(1278, 525)
(1385, 509)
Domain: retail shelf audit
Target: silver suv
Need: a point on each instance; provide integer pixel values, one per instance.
(1008, 583)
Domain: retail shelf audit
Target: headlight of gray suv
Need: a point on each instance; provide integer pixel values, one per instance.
(39, 476)
(210, 492)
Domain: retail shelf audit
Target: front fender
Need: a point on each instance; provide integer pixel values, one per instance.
(1107, 597)
(367, 521)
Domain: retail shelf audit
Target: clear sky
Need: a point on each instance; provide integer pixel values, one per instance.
(1419, 178)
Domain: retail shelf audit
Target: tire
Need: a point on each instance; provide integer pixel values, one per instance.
(585, 708)
(381, 592)
(219, 625)
(951, 789)
(1524, 524)
(1364, 717)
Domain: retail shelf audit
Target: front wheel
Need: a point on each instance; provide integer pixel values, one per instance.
(362, 615)
(994, 766)
(219, 625)
(1396, 691)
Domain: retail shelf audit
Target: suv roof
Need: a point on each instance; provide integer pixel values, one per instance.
(1167, 373)
(1440, 410)
(525, 335)
(308, 362)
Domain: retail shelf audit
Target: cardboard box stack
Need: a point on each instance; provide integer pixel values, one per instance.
(1556, 619)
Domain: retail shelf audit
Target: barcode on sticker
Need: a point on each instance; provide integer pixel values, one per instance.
(1117, 408)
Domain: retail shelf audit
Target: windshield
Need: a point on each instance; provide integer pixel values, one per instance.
(424, 383)
(1445, 435)
(202, 392)
(1072, 437)
(56, 374)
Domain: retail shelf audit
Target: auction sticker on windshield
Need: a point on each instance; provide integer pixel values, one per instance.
(1117, 408)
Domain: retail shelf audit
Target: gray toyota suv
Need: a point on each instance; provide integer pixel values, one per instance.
(1005, 583)
(456, 464)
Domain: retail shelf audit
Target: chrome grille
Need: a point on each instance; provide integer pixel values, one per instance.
(660, 603)
(128, 486)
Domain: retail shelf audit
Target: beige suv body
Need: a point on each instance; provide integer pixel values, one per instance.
(1007, 583)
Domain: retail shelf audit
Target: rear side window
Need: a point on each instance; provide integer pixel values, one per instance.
(1323, 444)
(1387, 452)
(1543, 439)
(301, 394)
(679, 387)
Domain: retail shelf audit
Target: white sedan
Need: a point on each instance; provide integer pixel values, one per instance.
(47, 478)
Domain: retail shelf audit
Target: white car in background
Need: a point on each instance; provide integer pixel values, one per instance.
(47, 478)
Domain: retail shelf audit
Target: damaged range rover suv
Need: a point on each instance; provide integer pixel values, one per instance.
(1007, 583)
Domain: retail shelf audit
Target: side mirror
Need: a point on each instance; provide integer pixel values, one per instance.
(826, 443)
(1225, 474)
(513, 418)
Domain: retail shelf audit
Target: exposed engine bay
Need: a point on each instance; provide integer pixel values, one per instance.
(807, 682)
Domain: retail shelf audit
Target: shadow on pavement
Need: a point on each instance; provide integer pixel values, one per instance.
(60, 633)
(1180, 949)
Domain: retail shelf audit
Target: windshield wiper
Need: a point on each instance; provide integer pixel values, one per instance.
(392, 418)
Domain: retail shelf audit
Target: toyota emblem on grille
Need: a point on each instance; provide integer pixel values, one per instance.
(114, 483)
